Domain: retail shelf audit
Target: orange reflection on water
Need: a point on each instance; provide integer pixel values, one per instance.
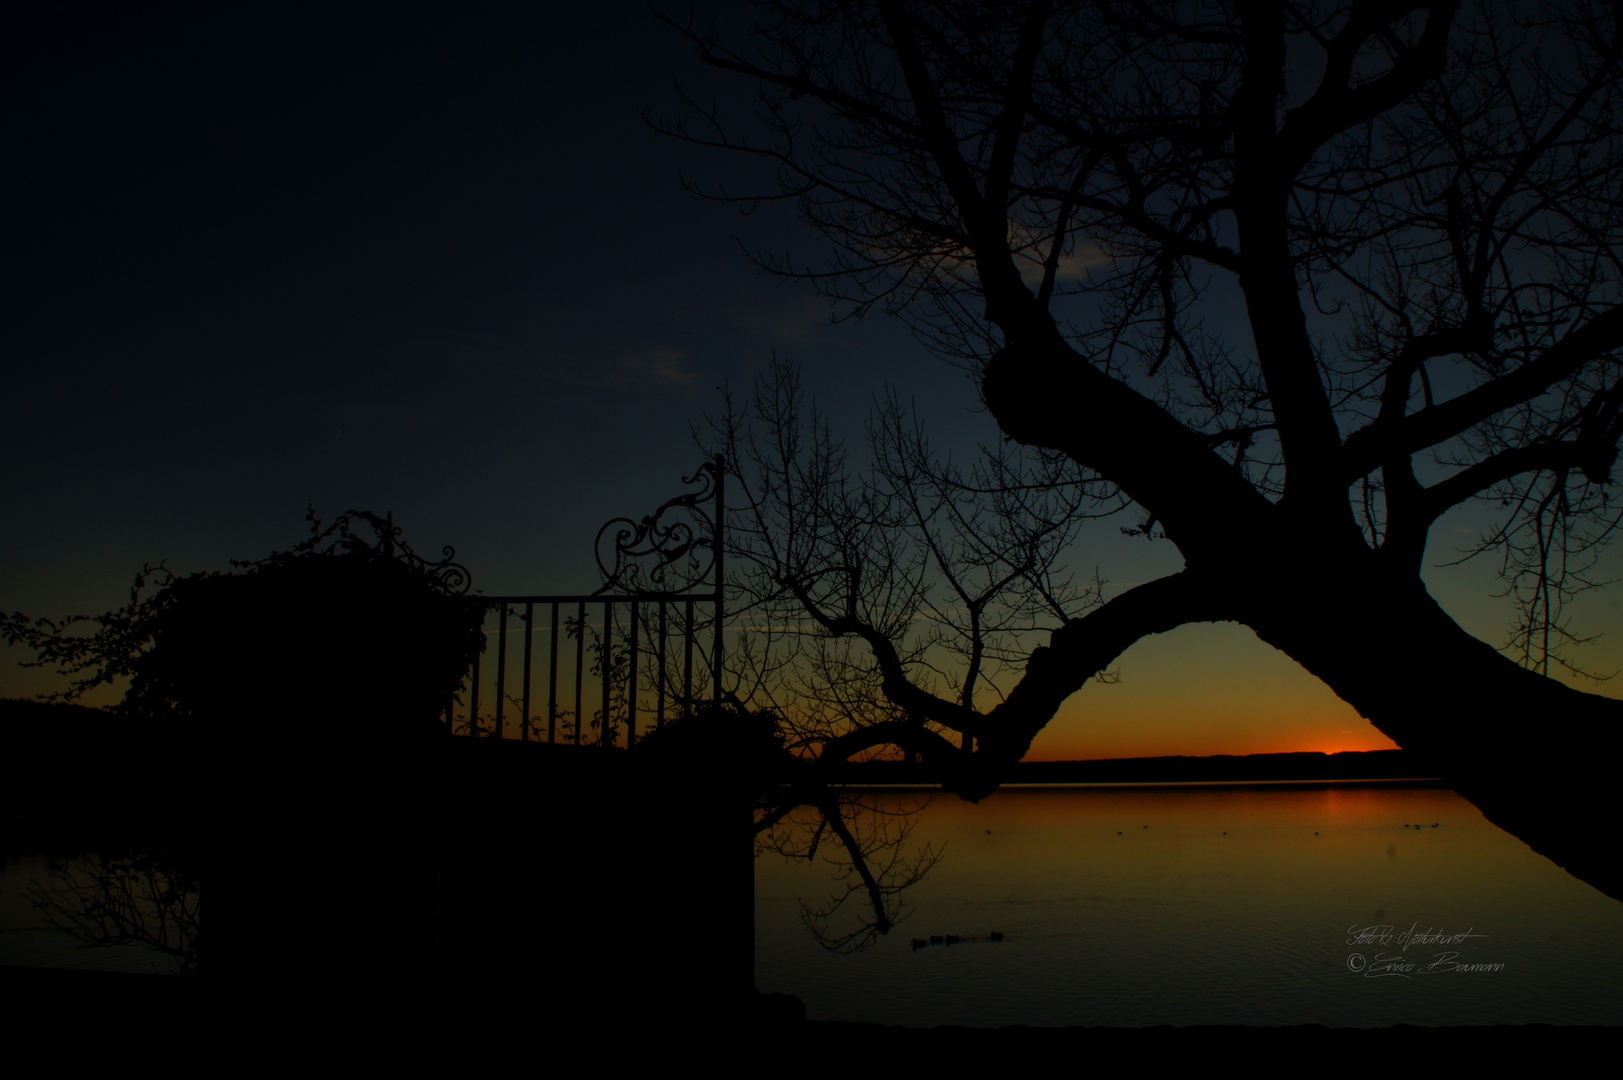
(1200, 854)
(1207, 904)
(1255, 834)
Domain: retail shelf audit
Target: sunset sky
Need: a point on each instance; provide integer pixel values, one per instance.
(433, 262)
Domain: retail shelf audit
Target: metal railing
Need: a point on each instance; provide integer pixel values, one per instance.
(646, 650)
(665, 571)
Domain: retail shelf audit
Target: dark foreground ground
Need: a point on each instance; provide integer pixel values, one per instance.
(1213, 1037)
(470, 1021)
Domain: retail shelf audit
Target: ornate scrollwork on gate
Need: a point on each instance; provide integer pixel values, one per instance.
(672, 550)
(448, 574)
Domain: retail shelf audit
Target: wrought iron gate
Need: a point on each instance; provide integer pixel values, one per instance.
(659, 575)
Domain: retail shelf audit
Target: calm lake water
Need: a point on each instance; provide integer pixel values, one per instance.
(1212, 905)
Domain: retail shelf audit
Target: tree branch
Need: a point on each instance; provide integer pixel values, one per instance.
(1366, 448)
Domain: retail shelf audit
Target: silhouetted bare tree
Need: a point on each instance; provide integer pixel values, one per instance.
(1293, 279)
(943, 572)
(947, 574)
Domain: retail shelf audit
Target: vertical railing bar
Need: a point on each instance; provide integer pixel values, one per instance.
(473, 694)
(721, 570)
(608, 651)
(580, 668)
(659, 709)
(529, 627)
(631, 683)
(715, 658)
(552, 681)
(501, 671)
(687, 664)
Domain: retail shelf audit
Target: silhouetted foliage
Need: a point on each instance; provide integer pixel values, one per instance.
(1289, 281)
(335, 608)
(150, 900)
(619, 668)
(750, 744)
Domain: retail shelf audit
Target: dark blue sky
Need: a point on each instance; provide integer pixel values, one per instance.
(398, 258)
(392, 257)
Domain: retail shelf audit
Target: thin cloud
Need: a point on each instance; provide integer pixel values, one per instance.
(798, 320)
(657, 367)
(1074, 265)
(592, 364)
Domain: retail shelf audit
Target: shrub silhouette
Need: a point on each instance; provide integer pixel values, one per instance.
(360, 637)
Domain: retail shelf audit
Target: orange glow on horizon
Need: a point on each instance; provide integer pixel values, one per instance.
(1199, 691)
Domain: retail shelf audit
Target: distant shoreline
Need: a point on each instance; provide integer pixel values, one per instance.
(1371, 766)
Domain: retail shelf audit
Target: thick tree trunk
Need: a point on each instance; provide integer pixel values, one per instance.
(1534, 755)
